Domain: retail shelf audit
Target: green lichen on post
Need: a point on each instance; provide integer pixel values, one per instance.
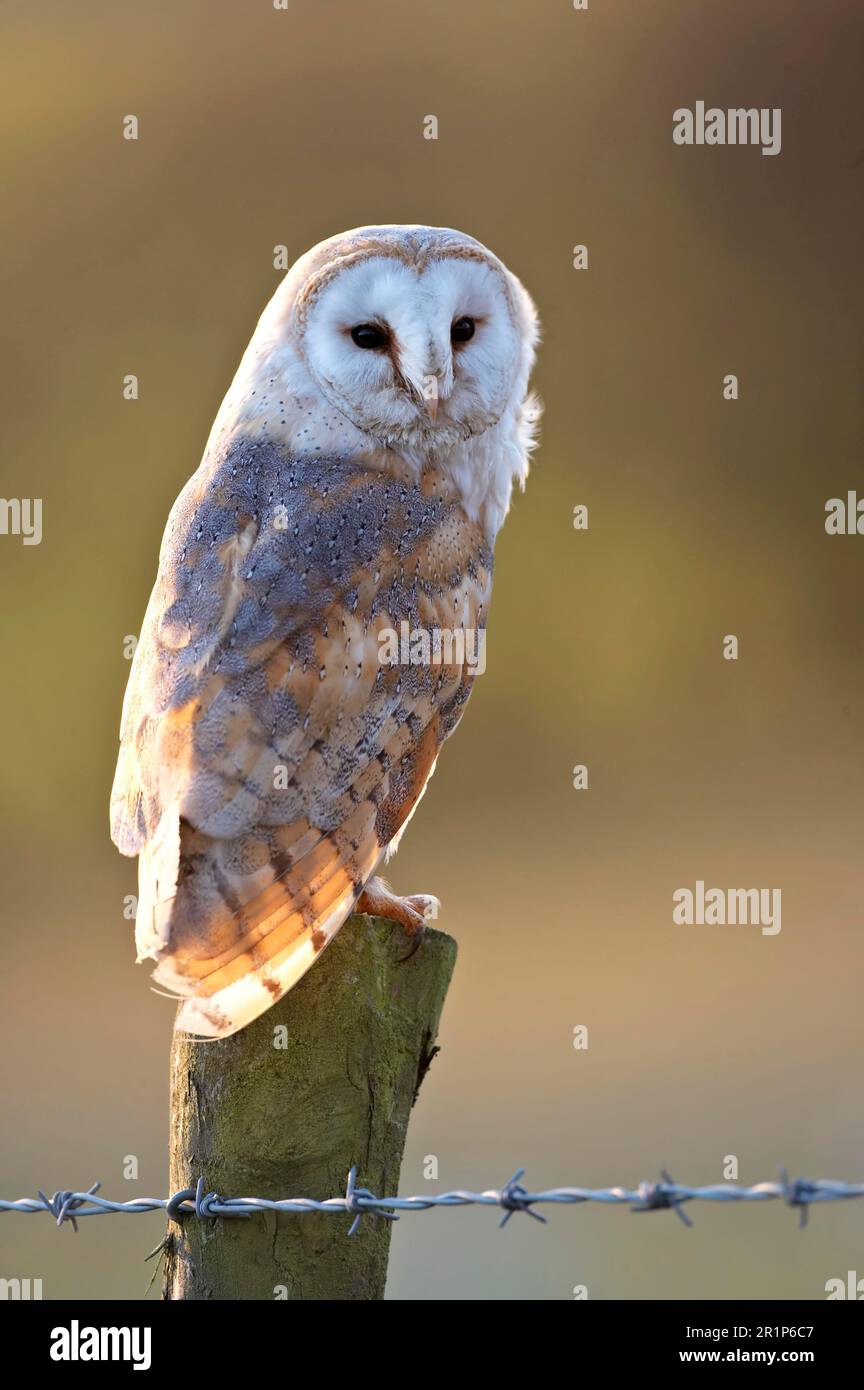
(322, 1081)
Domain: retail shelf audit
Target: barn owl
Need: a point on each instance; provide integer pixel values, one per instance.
(352, 487)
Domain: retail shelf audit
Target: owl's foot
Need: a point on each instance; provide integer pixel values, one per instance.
(411, 913)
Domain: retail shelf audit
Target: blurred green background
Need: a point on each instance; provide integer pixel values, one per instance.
(261, 127)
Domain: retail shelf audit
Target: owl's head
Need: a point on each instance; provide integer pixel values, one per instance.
(419, 335)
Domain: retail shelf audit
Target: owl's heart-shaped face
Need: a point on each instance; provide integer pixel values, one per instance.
(417, 355)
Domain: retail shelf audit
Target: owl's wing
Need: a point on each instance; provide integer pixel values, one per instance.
(268, 755)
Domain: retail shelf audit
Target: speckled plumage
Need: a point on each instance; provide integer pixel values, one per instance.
(268, 758)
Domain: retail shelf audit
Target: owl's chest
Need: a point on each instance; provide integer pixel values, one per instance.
(344, 531)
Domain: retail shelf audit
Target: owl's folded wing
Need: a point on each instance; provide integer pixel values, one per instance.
(268, 754)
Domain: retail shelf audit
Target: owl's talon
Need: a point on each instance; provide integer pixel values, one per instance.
(416, 936)
(427, 905)
(412, 913)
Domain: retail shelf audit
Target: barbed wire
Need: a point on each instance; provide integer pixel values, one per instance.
(665, 1195)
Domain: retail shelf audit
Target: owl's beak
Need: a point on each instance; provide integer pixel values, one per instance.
(430, 405)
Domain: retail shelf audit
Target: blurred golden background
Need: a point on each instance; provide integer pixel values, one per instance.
(260, 127)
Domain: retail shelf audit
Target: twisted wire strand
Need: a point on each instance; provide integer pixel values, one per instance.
(512, 1197)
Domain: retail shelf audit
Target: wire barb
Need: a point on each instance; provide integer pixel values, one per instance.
(63, 1204)
(358, 1200)
(661, 1196)
(513, 1197)
(798, 1193)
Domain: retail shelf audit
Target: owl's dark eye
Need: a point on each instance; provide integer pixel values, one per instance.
(462, 330)
(369, 335)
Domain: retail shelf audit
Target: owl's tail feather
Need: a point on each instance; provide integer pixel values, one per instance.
(246, 922)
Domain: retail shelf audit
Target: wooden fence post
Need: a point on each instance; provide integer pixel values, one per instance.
(323, 1080)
